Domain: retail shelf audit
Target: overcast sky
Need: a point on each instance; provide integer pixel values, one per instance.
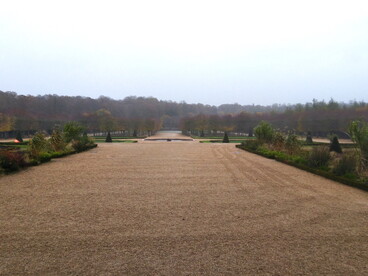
(212, 52)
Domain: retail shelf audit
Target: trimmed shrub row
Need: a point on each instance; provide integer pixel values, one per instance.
(339, 174)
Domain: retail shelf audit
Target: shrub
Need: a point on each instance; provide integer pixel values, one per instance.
(37, 145)
(335, 145)
(278, 140)
(108, 138)
(226, 138)
(358, 131)
(82, 143)
(264, 132)
(292, 143)
(346, 165)
(56, 140)
(250, 144)
(72, 131)
(12, 160)
(319, 157)
(44, 157)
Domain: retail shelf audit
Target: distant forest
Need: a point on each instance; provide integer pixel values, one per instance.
(147, 114)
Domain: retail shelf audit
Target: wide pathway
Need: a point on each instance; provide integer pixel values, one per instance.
(182, 208)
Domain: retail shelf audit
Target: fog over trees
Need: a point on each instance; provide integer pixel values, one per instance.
(28, 113)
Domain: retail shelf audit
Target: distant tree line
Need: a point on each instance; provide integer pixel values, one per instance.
(318, 118)
(28, 114)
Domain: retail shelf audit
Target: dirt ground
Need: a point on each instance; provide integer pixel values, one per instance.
(179, 208)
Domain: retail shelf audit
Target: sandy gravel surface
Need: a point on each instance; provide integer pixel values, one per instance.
(179, 208)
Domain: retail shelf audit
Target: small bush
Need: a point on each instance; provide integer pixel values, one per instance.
(72, 131)
(335, 145)
(346, 165)
(292, 143)
(226, 138)
(37, 145)
(250, 144)
(12, 160)
(319, 157)
(264, 132)
(44, 157)
(358, 131)
(278, 140)
(57, 141)
(82, 143)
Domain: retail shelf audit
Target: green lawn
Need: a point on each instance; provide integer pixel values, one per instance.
(114, 141)
(221, 137)
(117, 137)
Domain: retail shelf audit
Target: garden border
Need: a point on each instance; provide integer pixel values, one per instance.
(342, 180)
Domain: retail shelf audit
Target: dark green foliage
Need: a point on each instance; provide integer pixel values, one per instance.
(309, 139)
(346, 165)
(226, 138)
(57, 141)
(358, 131)
(292, 143)
(319, 157)
(278, 140)
(108, 138)
(250, 144)
(250, 133)
(264, 132)
(335, 145)
(82, 144)
(72, 131)
(37, 145)
(11, 160)
(19, 137)
(344, 170)
(44, 157)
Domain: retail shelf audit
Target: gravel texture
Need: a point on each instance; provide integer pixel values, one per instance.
(179, 208)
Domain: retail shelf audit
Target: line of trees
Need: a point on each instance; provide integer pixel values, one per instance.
(318, 118)
(27, 113)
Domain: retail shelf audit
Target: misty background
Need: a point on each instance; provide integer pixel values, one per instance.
(211, 52)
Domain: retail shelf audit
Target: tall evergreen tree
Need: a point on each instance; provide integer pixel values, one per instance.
(309, 139)
(226, 138)
(250, 133)
(108, 138)
(335, 145)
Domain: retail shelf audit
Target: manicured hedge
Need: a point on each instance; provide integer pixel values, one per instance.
(299, 163)
(12, 160)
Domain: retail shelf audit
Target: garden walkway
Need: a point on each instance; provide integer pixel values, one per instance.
(159, 208)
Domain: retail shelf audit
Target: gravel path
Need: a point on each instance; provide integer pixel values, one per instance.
(179, 208)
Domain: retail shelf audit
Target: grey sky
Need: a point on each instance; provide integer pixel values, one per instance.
(212, 52)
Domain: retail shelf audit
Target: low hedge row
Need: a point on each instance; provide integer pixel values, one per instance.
(300, 163)
(12, 160)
